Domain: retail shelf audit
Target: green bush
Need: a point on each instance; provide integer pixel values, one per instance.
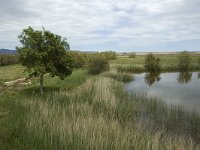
(98, 65)
(132, 55)
(152, 63)
(184, 61)
(80, 58)
(109, 55)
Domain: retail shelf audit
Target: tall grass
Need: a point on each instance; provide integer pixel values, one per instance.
(100, 115)
(139, 68)
(124, 77)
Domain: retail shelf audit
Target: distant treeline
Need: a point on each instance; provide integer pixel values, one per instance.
(7, 59)
(82, 59)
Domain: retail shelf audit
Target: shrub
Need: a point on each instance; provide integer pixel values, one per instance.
(132, 55)
(98, 65)
(184, 61)
(109, 55)
(80, 59)
(152, 63)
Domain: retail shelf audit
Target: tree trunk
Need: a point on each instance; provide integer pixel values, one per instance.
(41, 84)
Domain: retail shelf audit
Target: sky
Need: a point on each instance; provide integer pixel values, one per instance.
(98, 25)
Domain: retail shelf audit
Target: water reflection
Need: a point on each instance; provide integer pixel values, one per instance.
(184, 77)
(167, 87)
(198, 76)
(152, 77)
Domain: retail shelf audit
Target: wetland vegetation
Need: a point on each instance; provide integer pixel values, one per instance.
(93, 108)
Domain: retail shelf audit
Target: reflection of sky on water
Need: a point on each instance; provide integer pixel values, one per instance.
(169, 89)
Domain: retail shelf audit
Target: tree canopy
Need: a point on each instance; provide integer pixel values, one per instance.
(44, 52)
(152, 63)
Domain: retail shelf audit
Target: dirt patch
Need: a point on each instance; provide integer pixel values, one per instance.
(18, 82)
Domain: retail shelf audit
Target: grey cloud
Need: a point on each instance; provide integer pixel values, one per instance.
(128, 22)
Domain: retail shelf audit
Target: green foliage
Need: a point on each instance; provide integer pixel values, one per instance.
(123, 77)
(152, 77)
(184, 77)
(109, 55)
(44, 52)
(80, 59)
(184, 61)
(98, 65)
(152, 63)
(132, 55)
(8, 60)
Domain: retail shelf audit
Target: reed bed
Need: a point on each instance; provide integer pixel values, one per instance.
(164, 68)
(124, 77)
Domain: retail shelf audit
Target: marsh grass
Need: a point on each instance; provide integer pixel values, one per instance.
(124, 77)
(100, 115)
(164, 68)
(130, 68)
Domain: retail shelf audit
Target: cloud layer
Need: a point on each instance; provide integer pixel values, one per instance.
(139, 25)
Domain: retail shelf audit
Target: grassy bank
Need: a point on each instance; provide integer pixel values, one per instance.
(13, 114)
(168, 63)
(140, 68)
(95, 113)
(100, 115)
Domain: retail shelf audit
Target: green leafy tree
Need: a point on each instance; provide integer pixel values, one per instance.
(184, 61)
(152, 63)
(43, 52)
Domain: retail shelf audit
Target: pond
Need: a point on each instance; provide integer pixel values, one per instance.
(174, 88)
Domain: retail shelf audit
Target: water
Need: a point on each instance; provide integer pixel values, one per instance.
(174, 88)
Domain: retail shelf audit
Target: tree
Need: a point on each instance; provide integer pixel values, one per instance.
(184, 61)
(152, 63)
(43, 52)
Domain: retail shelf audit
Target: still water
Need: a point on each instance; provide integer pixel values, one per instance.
(174, 88)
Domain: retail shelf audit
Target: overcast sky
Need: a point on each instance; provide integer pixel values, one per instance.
(121, 25)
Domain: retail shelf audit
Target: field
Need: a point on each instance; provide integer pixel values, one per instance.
(169, 62)
(91, 112)
(164, 59)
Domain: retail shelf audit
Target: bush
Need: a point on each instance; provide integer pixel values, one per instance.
(109, 55)
(184, 61)
(98, 65)
(132, 55)
(80, 59)
(152, 63)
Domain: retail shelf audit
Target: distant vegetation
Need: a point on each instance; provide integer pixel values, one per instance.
(184, 61)
(152, 63)
(132, 55)
(8, 59)
(109, 55)
(168, 62)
